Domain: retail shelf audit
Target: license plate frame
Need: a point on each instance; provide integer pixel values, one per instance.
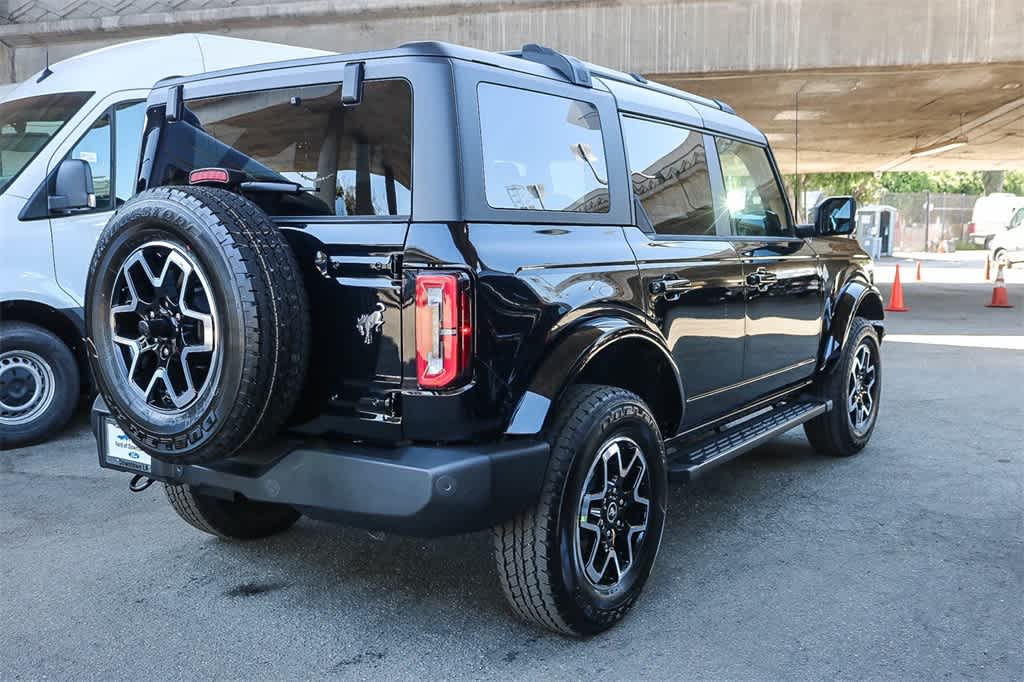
(118, 451)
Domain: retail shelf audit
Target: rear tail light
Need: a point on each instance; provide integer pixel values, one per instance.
(970, 228)
(444, 330)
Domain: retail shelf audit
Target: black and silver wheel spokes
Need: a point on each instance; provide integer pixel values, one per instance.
(613, 512)
(164, 325)
(862, 390)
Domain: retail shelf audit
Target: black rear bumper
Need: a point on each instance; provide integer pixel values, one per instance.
(412, 489)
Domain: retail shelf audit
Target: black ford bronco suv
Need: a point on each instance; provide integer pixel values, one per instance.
(433, 290)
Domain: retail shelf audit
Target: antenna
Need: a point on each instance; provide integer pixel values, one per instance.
(46, 70)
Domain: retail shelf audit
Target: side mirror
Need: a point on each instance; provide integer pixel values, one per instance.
(73, 190)
(835, 215)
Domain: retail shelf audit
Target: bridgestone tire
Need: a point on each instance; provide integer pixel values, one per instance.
(231, 520)
(47, 375)
(261, 322)
(535, 555)
(831, 432)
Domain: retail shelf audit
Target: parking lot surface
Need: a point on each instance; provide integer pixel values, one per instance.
(906, 561)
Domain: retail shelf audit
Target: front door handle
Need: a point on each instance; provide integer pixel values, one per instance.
(671, 287)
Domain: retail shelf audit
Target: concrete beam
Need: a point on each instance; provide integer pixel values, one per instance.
(651, 36)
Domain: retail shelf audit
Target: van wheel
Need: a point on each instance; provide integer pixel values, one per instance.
(855, 388)
(231, 520)
(576, 562)
(39, 384)
(1002, 258)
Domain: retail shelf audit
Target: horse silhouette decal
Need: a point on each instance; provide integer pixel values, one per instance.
(370, 323)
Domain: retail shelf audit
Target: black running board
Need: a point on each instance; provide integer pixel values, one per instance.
(689, 460)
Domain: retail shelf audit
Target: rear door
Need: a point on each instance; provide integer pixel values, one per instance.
(782, 277)
(690, 273)
(347, 225)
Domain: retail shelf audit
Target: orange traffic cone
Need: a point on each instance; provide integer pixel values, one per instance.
(988, 268)
(896, 298)
(999, 297)
(918, 275)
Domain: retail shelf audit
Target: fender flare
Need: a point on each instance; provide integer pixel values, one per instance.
(855, 295)
(569, 356)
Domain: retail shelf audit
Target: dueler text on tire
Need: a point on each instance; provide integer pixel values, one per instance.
(229, 519)
(198, 322)
(39, 384)
(855, 388)
(577, 561)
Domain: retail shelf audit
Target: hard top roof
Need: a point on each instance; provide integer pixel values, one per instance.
(713, 113)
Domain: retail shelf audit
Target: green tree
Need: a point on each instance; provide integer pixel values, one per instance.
(1013, 182)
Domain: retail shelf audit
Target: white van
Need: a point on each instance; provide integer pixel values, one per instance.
(81, 115)
(991, 215)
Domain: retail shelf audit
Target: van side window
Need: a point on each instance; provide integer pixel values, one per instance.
(669, 172)
(346, 161)
(541, 152)
(129, 120)
(94, 147)
(752, 198)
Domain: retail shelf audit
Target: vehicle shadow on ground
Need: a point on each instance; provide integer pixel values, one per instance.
(346, 572)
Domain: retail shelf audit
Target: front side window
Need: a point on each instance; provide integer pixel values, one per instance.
(347, 161)
(669, 172)
(94, 147)
(112, 161)
(541, 152)
(28, 124)
(752, 198)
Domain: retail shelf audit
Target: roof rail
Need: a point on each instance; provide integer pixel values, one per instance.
(581, 73)
(574, 71)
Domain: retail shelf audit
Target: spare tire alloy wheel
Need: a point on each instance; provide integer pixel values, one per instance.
(198, 321)
(163, 321)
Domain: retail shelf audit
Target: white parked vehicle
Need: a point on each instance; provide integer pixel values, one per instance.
(81, 116)
(991, 215)
(1008, 246)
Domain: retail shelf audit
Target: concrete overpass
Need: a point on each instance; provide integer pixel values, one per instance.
(862, 84)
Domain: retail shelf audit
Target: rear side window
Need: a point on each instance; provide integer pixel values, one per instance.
(542, 152)
(348, 161)
(668, 167)
(752, 194)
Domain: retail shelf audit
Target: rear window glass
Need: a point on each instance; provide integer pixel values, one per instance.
(348, 161)
(541, 152)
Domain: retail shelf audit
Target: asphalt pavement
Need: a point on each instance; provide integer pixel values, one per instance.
(905, 562)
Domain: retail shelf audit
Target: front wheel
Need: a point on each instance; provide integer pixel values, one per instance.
(1001, 258)
(855, 388)
(577, 561)
(39, 384)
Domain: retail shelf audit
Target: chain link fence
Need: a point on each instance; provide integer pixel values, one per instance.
(929, 221)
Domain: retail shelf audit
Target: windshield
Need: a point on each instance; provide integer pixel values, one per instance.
(28, 124)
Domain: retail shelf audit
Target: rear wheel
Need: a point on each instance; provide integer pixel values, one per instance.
(39, 384)
(1001, 257)
(229, 519)
(855, 387)
(577, 561)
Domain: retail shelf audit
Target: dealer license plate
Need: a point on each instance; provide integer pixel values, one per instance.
(121, 451)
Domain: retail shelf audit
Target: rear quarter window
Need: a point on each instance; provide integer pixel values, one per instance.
(541, 152)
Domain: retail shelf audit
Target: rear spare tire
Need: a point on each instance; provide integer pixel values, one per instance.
(198, 323)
